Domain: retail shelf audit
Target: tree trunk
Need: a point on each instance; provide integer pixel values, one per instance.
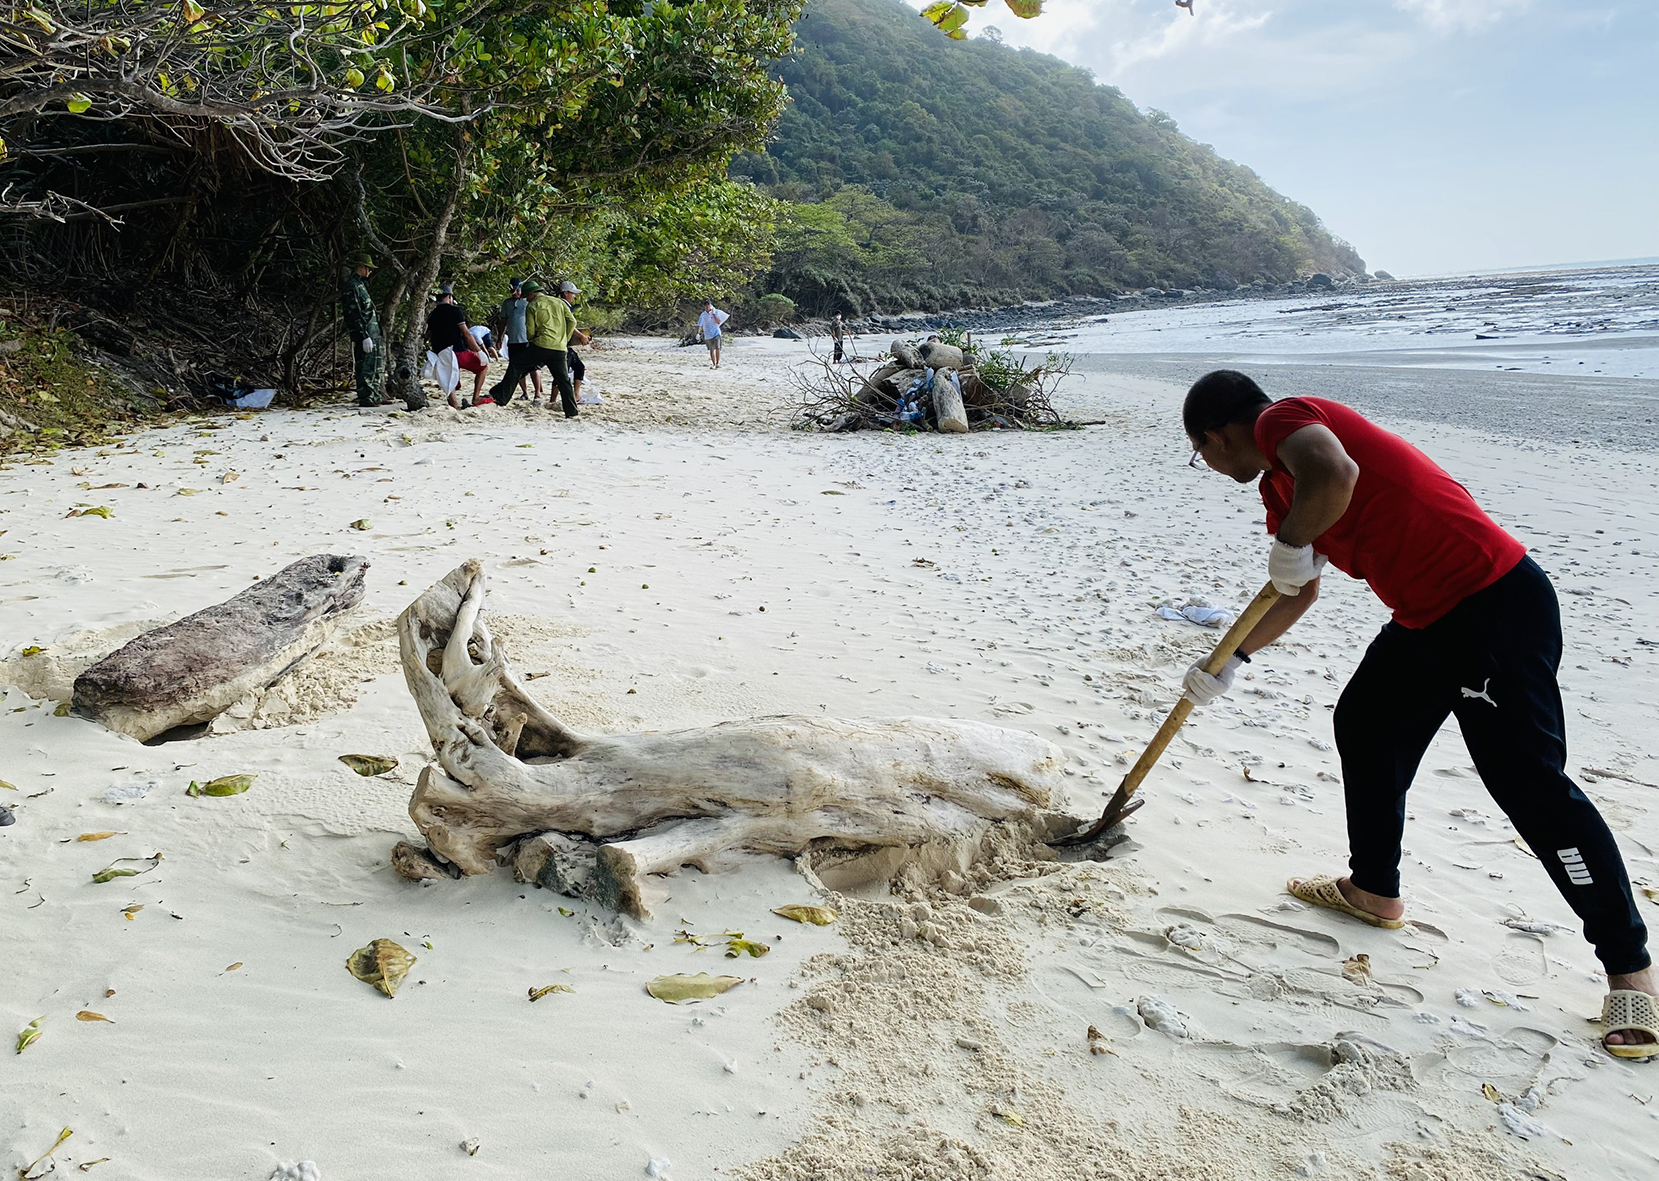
(511, 780)
(403, 381)
(190, 671)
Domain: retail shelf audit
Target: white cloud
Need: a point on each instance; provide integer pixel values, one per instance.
(1460, 15)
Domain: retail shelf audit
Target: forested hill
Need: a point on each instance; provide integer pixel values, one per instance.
(933, 173)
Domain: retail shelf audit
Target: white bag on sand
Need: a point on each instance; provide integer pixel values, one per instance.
(443, 369)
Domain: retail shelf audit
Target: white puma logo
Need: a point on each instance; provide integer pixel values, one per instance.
(1482, 695)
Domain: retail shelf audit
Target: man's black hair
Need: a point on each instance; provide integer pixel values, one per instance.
(1219, 398)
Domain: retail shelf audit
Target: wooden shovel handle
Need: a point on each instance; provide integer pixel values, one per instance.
(1119, 806)
(1223, 652)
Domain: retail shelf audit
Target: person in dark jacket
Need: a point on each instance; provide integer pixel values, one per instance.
(363, 326)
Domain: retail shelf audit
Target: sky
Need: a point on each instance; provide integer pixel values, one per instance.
(1438, 137)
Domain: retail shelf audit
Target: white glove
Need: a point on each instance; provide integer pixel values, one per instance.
(368, 344)
(1291, 567)
(1203, 688)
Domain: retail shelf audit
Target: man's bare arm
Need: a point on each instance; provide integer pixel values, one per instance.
(1325, 478)
(1279, 617)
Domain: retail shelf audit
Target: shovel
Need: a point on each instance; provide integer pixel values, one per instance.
(1120, 804)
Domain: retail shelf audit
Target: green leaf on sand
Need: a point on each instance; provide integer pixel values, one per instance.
(737, 946)
(33, 650)
(369, 764)
(27, 1038)
(120, 868)
(225, 785)
(680, 988)
(818, 916)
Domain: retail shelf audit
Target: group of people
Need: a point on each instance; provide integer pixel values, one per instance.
(540, 329)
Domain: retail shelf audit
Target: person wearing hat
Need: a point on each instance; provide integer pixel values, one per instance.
(363, 326)
(446, 328)
(568, 291)
(513, 312)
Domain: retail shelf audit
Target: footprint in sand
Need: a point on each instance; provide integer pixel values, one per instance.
(1512, 1063)
(1522, 961)
(1262, 932)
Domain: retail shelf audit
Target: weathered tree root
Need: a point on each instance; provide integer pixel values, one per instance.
(600, 816)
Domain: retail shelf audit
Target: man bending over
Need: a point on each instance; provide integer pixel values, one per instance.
(1476, 634)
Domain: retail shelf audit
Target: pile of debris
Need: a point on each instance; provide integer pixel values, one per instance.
(934, 386)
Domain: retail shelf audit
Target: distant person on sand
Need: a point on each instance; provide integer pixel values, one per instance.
(513, 311)
(363, 326)
(838, 333)
(1476, 635)
(446, 328)
(709, 326)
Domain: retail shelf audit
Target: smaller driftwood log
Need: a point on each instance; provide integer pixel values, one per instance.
(598, 816)
(190, 671)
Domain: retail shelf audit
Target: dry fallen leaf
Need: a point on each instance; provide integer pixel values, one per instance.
(1098, 1043)
(29, 1173)
(818, 916)
(233, 967)
(97, 836)
(1357, 969)
(113, 870)
(1491, 1092)
(89, 1015)
(537, 993)
(367, 765)
(129, 911)
(86, 1166)
(680, 987)
(382, 963)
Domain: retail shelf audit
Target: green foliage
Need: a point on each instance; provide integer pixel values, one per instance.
(929, 174)
(46, 384)
(770, 310)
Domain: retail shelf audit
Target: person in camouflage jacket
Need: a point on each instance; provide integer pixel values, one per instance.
(363, 326)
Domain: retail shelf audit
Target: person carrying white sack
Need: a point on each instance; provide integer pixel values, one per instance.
(1476, 634)
(710, 326)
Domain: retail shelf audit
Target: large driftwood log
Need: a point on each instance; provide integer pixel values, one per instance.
(937, 355)
(949, 414)
(190, 671)
(599, 815)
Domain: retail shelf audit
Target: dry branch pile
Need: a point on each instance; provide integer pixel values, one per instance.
(935, 385)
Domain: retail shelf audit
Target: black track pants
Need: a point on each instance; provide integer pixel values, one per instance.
(522, 360)
(1491, 661)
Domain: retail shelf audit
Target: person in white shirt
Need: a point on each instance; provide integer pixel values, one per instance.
(708, 327)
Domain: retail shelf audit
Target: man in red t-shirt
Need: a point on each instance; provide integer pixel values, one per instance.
(1476, 633)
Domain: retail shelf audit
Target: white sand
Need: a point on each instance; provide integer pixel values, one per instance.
(1010, 578)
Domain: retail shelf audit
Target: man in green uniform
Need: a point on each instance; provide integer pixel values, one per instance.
(363, 326)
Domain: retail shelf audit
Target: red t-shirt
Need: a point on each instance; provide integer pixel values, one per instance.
(1411, 531)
